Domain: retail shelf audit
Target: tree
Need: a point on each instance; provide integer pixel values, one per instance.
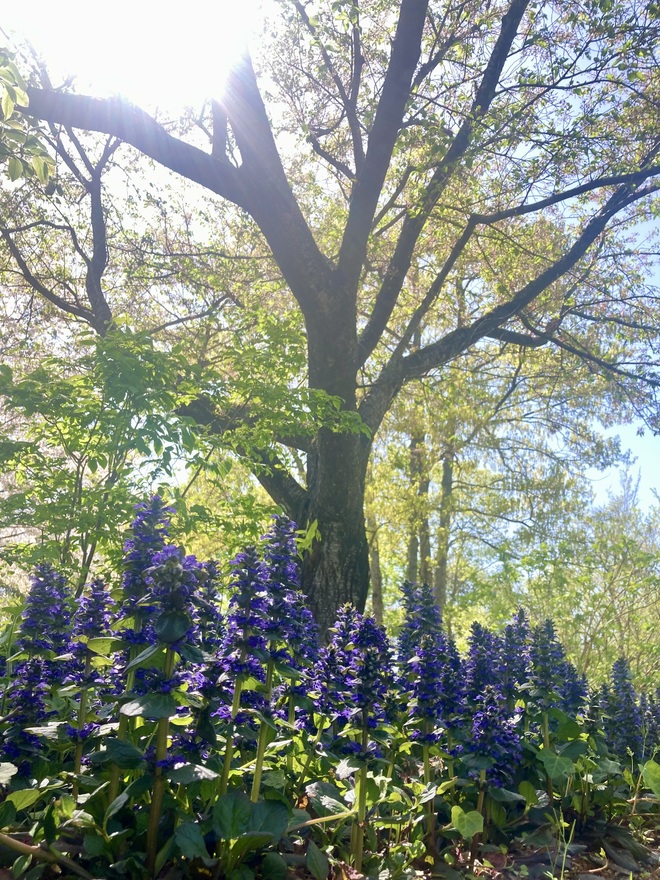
(470, 460)
(431, 142)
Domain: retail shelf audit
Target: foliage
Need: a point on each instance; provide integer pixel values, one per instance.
(20, 146)
(160, 732)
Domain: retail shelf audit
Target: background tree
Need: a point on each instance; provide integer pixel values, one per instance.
(417, 146)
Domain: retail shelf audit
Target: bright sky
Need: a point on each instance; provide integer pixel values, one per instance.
(149, 52)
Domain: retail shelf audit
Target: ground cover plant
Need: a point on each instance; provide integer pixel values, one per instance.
(145, 733)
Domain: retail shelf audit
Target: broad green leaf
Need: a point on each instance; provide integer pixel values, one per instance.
(152, 706)
(249, 842)
(117, 751)
(118, 804)
(346, 767)
(26, 797)
(467, 824)
(7, 814)
(145, 655)
(8, 101)
(172, 626)
(273, 867)
(316, 862)
(271, 816)
(105, 646)
(188, 773)
(231, 815)
(651, 776)
(556, 766)
(190, 840)
(528, 791)
(14, 168)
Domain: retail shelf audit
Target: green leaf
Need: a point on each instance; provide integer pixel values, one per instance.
(467, 824)
(190, 840)
(118, 804)
(528, 791)
(346, 767)
(94, 845)
(249, 842)
(8, 103)
(14, 168)
(117, 751)
(7, 770)
(574, 749)
(172, 626)
(7, 814)
(271, 816)
(25, 797)
(316, 862)
(556, 766)
(151, 706)
(505, 796)
(191, 653)
(231, 815)
(188, 773)
(105, 646)
(145, 655)
(651, 776)
(273, 867)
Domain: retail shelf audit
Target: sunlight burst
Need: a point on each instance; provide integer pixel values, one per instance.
(139, 50)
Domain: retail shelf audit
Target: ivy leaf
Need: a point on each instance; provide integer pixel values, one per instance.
(556, 766)
(467, 824)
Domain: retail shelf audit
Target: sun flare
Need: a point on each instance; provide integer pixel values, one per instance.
(140, 50)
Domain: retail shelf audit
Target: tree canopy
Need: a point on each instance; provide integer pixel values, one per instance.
(418, 182)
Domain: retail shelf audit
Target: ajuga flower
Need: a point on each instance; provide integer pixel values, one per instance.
(46, 621)
(421, 616)
(516, 655)
(355, 670)
(494, 742)
(289, 628)
(210, 622)
(25, 702)
(431, 680)
(93, 614)
(548, 660)
(573, 690)
(624, 721)
(484, 666)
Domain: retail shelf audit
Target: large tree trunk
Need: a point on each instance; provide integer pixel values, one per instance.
(336, 570)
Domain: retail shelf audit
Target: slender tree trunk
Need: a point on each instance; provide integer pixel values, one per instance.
(424, 532)
(444, 529)
(419, 541)
(374, 569)
(412, 556)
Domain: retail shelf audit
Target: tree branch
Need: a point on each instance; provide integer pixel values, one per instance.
(382, 138)
(134, 126)
(400, 370)
(415, 222)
